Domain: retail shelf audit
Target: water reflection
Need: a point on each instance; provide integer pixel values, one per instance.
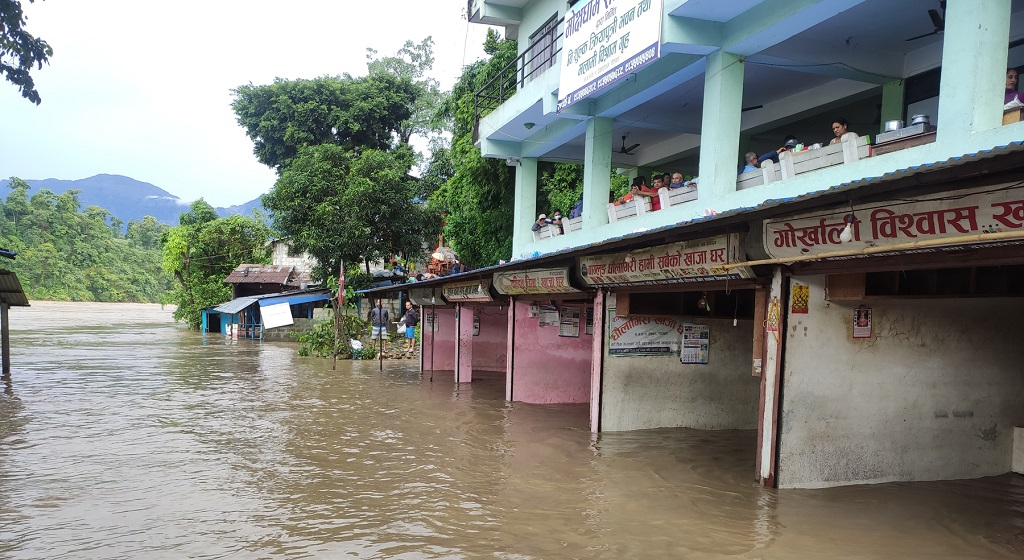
(125, 436)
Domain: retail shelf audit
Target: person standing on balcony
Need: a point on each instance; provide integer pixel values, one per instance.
(640, 188)
(751, 160)
(1011, 87)
(789, 143)
(556, 219)
(841, 128)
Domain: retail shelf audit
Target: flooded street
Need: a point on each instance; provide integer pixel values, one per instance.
(123, 435)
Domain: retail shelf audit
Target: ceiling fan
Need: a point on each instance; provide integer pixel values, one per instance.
(628, 151)
(939, 21)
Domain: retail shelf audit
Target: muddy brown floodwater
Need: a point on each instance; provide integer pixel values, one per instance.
(123, 435)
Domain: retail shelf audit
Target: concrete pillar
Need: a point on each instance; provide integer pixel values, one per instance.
(464, 352)
(973, 67)
(510, 349)
(1017, 463)
(720, 125)
(5, 338)
(892, 102)
(597, 172)
(525, 212)
(597, 363)
(767, 424)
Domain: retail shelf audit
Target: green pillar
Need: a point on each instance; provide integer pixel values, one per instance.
(973, 67)
(892, 103)
(526, 205)
(597, 172)
(720, 125)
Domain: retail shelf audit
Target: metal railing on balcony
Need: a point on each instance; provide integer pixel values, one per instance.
(534, 61)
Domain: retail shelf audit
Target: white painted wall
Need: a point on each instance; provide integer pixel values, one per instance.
(934, 395)
(659, 392)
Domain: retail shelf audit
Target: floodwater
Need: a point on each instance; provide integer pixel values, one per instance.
(123, 435)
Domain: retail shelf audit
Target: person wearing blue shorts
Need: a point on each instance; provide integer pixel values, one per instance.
(411, 319)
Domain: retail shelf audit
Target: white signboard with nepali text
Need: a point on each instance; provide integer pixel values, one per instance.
(604, 41)
(535, 281)
(689, 261)
(644, 335)
(991, 209)
(472, 291)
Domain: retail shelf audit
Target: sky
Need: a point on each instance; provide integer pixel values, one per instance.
(143, 89)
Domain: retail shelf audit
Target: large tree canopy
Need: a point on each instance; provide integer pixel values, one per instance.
(413, 61)
(337, 204)
(20, 50)
(354, 113)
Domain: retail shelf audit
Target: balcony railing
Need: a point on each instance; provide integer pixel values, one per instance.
(534, 61)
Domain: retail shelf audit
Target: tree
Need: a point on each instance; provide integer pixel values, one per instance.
(413, 61)
(20, 50)
(202, 251)
(478, 198)
(69, 254)
(354, 113)
(337, 204)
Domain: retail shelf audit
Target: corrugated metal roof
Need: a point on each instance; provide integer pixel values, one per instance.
(292, 298)
(10, 290)
(259, 274)
(710, 221)
(236, 305)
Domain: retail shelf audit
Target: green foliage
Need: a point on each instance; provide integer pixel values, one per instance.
(561, 185)
(338, 204)
(69, 254)
(201, 252)
(319, 341)
(352, 113)
(20, 50)
(413, 61)
(478, 196)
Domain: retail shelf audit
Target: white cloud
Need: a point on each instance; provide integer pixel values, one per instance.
(143, 89)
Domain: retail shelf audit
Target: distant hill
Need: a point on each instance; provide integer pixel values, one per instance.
(127, 198)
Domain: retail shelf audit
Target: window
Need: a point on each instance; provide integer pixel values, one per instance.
(541, 54)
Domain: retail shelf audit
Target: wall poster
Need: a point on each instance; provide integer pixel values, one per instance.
(590, 320)
(534, 310)
(647, 335)
(476, 324)
(862, 322)
(429, 320)
(569, 321)
(548, 315)
(696, 344)
(800, 298)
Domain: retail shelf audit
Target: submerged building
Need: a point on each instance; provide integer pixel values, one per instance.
(854, 297)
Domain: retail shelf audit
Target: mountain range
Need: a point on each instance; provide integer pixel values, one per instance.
(127, 198)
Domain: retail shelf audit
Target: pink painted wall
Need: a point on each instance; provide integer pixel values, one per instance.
(444, 343)
(491, 346)
(548, 368)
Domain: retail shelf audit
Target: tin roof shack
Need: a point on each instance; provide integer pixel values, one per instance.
(10, 294)
(265, 316)
(261, 279)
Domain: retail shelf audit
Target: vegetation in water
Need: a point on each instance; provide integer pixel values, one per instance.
(202, 250)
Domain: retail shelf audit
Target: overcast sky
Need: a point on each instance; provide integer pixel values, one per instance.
(143, 89)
